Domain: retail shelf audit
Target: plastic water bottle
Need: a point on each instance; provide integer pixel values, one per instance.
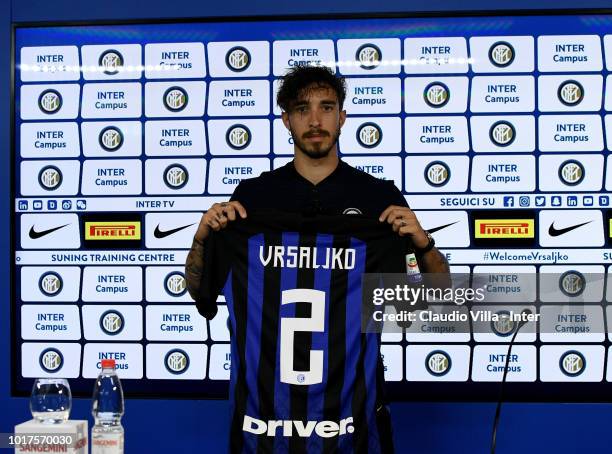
(107, 409)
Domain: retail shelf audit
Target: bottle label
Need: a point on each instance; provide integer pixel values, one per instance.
(106, 443)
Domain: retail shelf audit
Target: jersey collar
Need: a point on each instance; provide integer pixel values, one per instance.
(332, 177)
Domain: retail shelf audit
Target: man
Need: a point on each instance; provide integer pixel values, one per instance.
(317, 182)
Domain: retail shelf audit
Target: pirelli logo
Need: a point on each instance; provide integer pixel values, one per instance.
(112, 230)
(505, 228)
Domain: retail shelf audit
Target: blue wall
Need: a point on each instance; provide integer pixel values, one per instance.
(156, 426)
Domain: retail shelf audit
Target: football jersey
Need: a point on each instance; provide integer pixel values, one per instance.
(304, 377)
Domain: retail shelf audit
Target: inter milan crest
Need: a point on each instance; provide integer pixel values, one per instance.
(501, 54)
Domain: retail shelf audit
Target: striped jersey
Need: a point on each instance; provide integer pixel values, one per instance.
(304, 377)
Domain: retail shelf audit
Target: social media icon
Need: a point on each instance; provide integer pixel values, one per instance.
(524, 201)
(572, 201)
(604, 200)
(555, 201)
(23, 205)
(37, 204)
(66, 204)
(587, 200)
(509, 201)
(51, 204)
(81, 204)
(540, 201)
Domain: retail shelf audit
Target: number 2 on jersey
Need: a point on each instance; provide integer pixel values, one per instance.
(288, 327)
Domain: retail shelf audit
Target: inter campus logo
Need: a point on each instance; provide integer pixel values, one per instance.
(175, 99)
(176, 176)
(112, 230)
(50, 101)
(438, 363)
(50, 283)
(571, 172)
(572, 363)
(570, 93)
(369, 56)
(503, 228)
(238, 59)
(436, 94)
(51, 360)
(501, 54)
(369, 135)
(238, 137)
(175, 284)
(50, 178)
(502, 133)
(437, 173)
(504, 325)
(176, 361)
(111, 62)
(572, 283)
(110, 138)
(112, 322)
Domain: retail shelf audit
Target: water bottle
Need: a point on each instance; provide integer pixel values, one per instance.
(107, 409)
(51, 400)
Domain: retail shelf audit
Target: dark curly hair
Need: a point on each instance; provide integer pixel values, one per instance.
(299, 78)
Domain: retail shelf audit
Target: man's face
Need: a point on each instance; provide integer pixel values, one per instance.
(314, 121)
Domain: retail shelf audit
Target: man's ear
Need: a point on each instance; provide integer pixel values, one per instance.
(285, 117)
(342, 117)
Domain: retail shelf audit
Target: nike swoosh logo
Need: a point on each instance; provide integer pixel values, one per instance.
(35, 235)
(440, 227)
(164, 233)
(552, 231)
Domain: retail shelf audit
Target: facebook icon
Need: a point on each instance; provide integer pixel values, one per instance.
(509, 201)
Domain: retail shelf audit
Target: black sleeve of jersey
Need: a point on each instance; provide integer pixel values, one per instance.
(214, 274)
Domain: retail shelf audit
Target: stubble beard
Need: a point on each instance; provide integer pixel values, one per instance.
(314, 150)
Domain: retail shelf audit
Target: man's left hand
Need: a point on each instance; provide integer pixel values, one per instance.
(405, 222)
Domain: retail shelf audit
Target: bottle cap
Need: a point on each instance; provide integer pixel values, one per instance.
(108, 364)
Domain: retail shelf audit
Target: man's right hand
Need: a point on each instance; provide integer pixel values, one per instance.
(218, 216)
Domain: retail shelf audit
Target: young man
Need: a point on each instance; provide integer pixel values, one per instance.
(318, 182)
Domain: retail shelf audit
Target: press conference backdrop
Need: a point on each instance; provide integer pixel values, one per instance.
(495, 128)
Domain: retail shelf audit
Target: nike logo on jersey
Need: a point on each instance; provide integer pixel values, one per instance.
(552, 231)
(164, 233)
(440, 227)
(35, 235)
